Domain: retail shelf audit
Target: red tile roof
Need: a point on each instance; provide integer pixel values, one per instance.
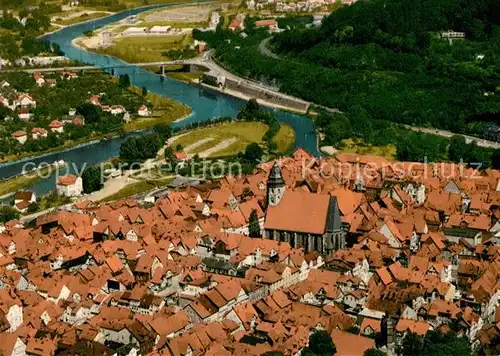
(67, 180)
(348, 344)
(299, 212)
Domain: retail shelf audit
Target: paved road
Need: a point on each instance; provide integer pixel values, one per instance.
(480, 142)
(215, 69)
(265, 51)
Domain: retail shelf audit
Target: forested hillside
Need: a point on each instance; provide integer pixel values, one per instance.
(384, 61)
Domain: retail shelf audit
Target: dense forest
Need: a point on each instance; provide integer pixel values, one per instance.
(385, 56)
(383, 61)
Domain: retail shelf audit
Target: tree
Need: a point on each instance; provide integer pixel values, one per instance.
(8, 213)
(124, 81)
(252, 106)
(321, 344)
(91, 113)
(169, 155)
(178, 148)
(374, 352)
(135, 150)
(253, 153)
(164, 131)
(129, 150)
(92, 179)
(435, 343)
(251, 111)
(412, 344)
(144, 91)
(458, 149)
(253, 224)
(33, 207)
(495, 159)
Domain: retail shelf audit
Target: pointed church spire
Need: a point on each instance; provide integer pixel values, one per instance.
(275, 186)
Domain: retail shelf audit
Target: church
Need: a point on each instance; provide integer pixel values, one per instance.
(302, 219)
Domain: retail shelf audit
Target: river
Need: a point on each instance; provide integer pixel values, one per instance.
(205, 105)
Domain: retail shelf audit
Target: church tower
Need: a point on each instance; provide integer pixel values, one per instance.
(275, 186)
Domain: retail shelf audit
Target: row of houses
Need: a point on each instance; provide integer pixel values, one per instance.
(403, 248)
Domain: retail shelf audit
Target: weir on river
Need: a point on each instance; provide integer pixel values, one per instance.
(205, 104)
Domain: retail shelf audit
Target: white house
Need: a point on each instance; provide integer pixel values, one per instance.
(38, 132)
(70, 186)
(20, 136)
(13, 310)
(11, 345)
(56, 126)
(120, 335)
(23, 199)
(25, 115)
(117, 109)
(69, 75)
(26, 101)
(51, 82)
(40, 81)
(144, 111)
(160, 30)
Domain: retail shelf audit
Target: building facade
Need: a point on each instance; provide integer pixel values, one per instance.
(310, 221)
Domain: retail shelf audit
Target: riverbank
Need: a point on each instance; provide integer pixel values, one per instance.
(9, 186)
(205, 104)
(66, 147)
(165, 111)
(240, 95)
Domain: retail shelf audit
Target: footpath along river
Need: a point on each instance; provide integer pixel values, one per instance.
(205, 104)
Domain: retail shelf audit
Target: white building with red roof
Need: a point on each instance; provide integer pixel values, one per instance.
(271, 24)
(38, 132)
(26, 101)
(40, 81)
(56, 126)
(20, 136)
(70, 186)
(23, 199)
(94, 100)
(117, 109)
(144, 111)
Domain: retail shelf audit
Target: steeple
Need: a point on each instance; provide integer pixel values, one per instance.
(275, 186)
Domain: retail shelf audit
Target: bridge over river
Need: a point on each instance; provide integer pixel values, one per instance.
(194, 61)
(229, 83)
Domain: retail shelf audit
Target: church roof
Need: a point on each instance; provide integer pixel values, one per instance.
(300, 212)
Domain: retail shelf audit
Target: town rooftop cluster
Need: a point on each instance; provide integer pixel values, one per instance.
(379, 253)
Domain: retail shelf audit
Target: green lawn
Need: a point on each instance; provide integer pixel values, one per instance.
(165, 111)
(185, 76)
(137, 188)
(362, 148)
(81, 18)
(285, 138)
(244, 132)
(145, 49)
(179, 24)
(13, 185)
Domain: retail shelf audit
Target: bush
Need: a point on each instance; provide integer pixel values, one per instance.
(8, 213)
(92, 179)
